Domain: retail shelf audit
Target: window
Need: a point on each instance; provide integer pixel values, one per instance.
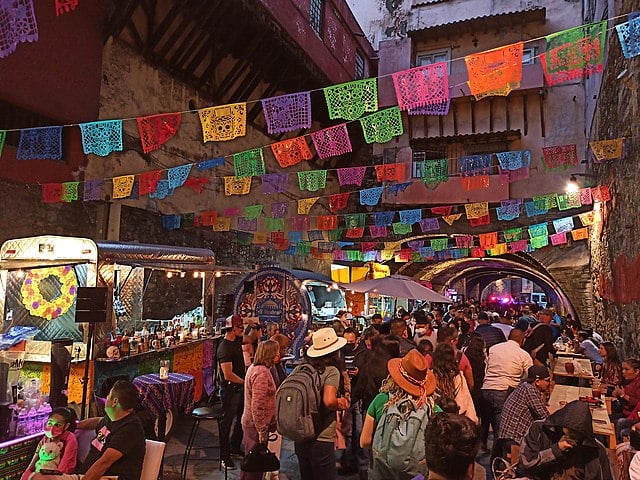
(434, 153)
(359, 66)
(528, 56)
(316, 15)
(434, 56)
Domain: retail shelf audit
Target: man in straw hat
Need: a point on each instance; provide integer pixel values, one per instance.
(316, 457)
(404, 405)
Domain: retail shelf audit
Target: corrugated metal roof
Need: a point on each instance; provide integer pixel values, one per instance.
(476, 137)
(496, 20)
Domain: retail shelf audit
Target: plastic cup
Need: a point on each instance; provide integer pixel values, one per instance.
(570, 368)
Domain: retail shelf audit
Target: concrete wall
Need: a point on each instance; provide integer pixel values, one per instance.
(132, 88)
(615, 251)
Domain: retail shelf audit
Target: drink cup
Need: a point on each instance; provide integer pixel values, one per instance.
(570, 368)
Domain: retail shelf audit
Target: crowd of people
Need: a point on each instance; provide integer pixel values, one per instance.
(469, 372)
(416, 396)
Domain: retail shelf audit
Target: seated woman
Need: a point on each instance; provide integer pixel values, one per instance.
(611, 372)
(628, 395)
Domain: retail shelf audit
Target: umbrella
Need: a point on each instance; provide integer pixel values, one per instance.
(397, 286)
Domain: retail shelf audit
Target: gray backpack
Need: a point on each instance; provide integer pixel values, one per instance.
(298, 404)
(398, 442)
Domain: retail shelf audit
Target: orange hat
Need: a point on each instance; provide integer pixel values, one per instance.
(411, 373)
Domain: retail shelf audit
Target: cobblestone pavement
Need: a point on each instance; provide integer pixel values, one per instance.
(203, 464)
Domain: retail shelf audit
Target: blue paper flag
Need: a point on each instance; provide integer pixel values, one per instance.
(563, 224)
(295, 237)
(411, 216)
(171, 222)
(207, 164)
(178, 175)
(40, 144)
(370, 196)
(383, 219)
(162, 190)
(397, 187)
(102, 138)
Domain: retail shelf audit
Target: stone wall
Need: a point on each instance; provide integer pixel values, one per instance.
(615, 259)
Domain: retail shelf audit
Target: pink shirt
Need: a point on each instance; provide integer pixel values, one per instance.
(67, 460)
(259, 399)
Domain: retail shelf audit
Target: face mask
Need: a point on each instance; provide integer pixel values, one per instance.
(110, 411)
(53, 432)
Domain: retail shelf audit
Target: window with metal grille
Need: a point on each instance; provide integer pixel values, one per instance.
(434, 153)
(359, 66)
(316, 15)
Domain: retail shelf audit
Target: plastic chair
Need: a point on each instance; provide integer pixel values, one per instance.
(152, 460)
(201, 414)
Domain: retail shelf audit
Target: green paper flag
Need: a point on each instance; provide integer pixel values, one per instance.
(400, 228)
(513, 235)
(382, 126)
(350, 100)
(539, 242)
(249, 163)
(252, 211)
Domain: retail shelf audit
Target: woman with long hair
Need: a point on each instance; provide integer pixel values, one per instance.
(259, 412)
(476, 353)
(374, 371)
(628, 394)
(450, 381)
(611, 372)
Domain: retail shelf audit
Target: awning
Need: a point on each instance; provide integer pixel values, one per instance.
(303, 275)
(398, 286)
(482, 23)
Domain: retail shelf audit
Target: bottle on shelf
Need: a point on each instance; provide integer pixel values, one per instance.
(21, 424)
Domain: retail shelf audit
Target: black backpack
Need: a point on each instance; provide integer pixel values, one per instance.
(298, 404)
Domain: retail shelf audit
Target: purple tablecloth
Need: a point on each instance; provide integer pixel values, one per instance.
(160, 396)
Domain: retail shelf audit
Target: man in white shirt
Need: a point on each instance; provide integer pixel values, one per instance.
(507, 364)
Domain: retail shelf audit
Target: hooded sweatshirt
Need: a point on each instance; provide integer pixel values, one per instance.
(542, 459)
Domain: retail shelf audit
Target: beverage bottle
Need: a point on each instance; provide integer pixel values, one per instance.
(45, 414)
(21, 425)
(32, 416)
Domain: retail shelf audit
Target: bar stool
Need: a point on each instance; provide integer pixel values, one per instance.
(201, 414)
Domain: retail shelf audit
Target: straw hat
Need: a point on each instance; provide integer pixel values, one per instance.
(325, 341)
(411, 373)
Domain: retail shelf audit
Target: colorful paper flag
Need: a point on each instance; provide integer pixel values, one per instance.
(287, 112)
(122, 186)
(495, 72)
(223, 123)
(44, 143)
(382, 126)
(102, 138)
(155, 130)
(424, 86)
(350, 100)
(332, 141)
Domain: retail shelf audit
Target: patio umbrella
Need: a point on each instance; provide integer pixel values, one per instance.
(397, 286)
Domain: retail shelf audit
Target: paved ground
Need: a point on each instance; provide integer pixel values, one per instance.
(204, 465)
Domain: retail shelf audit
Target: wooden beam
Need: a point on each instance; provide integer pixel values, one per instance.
(120, 17)
(159, 30)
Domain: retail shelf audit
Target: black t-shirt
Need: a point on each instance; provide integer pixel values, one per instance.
(126, 436)
(231, 352)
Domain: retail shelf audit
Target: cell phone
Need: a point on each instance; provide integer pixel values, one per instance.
(46, 471)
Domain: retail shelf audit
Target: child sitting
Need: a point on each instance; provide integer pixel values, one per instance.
(58, 449)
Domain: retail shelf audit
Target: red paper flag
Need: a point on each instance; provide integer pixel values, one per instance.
(155, 130)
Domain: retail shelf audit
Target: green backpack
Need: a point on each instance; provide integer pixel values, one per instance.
(398, 442)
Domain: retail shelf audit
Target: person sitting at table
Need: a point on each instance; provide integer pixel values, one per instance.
(627, 395)
(522, 407)
(119, 446)
(587, 347)
(611, 371)
(564, 446)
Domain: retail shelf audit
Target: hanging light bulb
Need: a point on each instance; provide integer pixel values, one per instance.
(183, 274)
(572, 185)
(196, 274)
(169, 274)
(218, 274)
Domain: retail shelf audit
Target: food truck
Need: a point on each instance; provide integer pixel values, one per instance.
(39, 282)
(291, 298)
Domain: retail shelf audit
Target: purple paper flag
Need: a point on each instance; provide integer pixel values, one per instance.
(287, 112)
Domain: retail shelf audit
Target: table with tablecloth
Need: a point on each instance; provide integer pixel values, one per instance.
(159, 396)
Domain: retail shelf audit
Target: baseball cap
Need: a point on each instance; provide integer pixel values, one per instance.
(537, 372)
(233, 321)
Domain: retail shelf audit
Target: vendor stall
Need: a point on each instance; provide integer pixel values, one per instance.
(39, 282)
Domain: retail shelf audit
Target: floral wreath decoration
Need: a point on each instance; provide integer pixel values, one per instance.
(35, 302)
